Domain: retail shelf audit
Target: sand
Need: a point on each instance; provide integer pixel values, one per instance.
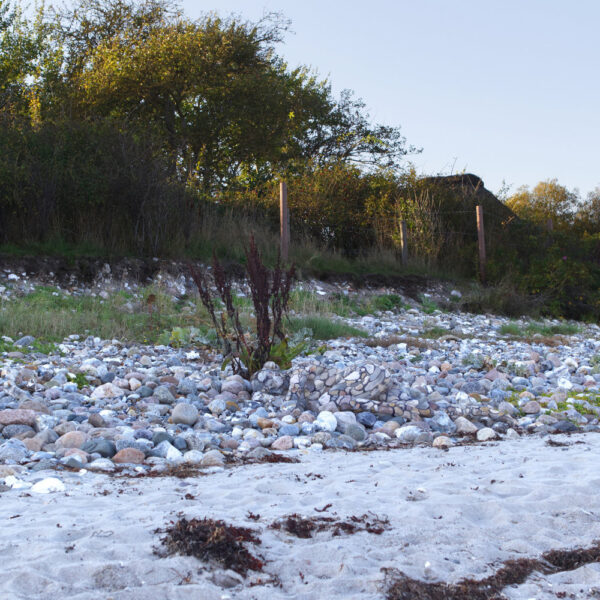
(463, 511)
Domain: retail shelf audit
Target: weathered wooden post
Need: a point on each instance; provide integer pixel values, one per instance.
(284, 222)
(481, 239)
(404, 242)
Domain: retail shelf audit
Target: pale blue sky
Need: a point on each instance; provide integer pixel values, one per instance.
(506, 89)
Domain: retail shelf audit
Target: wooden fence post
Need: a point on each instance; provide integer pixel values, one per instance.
(481, 239)
(404, 242)
(284, 221)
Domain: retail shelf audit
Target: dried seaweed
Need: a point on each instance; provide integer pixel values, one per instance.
(305, 527)
(513, 572)
(556, 443)
(207, 539)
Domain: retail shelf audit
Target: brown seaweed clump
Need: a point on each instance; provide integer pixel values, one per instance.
(512, 572)
(305, 527)
(207, 540)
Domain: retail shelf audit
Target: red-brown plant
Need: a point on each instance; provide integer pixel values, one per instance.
(270, 293)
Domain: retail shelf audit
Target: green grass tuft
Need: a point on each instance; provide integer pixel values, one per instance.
(324, 329)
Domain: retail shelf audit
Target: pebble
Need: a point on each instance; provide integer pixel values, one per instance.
(285, 442)
(486, 434)
(442, 441)
(326, 421)
(184, 413)
(213, 458)
(129, 455)
(48, 485)
(154, 405)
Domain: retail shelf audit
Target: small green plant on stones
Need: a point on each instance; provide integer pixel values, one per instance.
(476, 361)
(79, 379)
(517, 369)
(270, 294)
(180, 337)
(428, 306)
(388, 302)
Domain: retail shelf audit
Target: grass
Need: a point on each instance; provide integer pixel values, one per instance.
(428, 306)
(511, 329)
(306, 302)
(534, 328)
(50, 316)
(323, 328)
(388, 302)
(39, 346)
(435, 332)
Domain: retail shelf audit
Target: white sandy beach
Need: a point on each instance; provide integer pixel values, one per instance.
(464, 511)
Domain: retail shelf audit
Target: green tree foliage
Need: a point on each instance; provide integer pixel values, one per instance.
(547, 200)
(19, 50)
(229, 109)
(587, 218)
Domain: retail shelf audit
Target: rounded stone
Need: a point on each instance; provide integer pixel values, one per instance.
(442, 441)
(163, 395)
(13, 451)
(289, 430)
(326, 421)
(464, 426)
(105, 448)
(531, 408)
(408, 433)
(213, 458)
(217, 406)
(184, 413)
(355, 431)
(129, 455)
(72, 439)
(96, 420)
(193, 457)
(486, 434)
(20, 431)
(390, 427)
(366, 418)
(285, 442)
(17, 416)
(232, 386)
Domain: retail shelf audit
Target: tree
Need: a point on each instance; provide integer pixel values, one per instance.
(587, 217)
(227, 106)
(19, 50)
(344, 134)
(547, 200)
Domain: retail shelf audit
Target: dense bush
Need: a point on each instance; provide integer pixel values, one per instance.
(91, 181)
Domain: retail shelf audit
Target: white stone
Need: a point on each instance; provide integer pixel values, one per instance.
(442, 441)
(408, 433)
(134, 384)
(173, 455)
(564, 383)
(213, 458)
(16, 484)
(107, 390)
(48, 485)
(193, 457)
(326, 421)
(486, 434)
(464, 426)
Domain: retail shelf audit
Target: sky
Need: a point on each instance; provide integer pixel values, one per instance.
(506, 89)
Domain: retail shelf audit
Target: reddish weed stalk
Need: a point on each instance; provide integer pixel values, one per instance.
(270, 293)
